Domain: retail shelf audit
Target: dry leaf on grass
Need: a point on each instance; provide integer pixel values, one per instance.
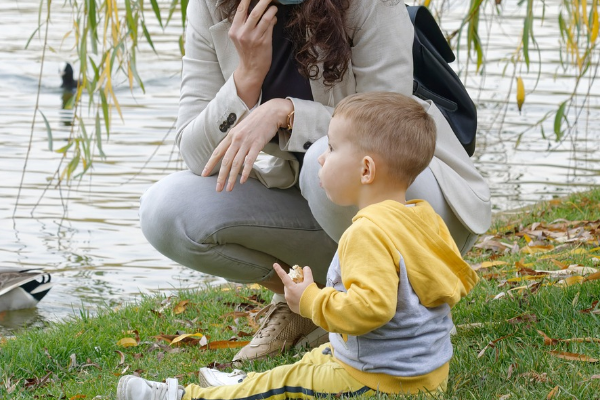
(180, 307)
(127, 342)
(552, 393)
(535, 377)
(492, 344)
(573, 356)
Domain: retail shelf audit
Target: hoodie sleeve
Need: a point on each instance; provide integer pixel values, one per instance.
(369, 272)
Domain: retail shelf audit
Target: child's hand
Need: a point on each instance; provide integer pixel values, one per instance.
(293, 291)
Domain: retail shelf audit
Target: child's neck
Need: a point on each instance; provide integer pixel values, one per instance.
(381, 191)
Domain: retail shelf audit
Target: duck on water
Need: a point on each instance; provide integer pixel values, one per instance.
(22, 288)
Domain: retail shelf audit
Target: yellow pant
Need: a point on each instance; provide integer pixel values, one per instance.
(315, 375)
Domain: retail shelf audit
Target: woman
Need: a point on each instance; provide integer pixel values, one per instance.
(258, 89)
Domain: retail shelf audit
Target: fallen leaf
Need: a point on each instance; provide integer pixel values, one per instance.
(522, 318)
(491, 344)
(552, 393)
(187, 335)
(572, 280)
(511, 368)
(488, 264)
(180, 307)
(127, 342)
(535, 377)
(591, 309)
(504, 397)
(548, 341)
(122, 357)
(537, 249)
(77, 396)
(593, 277)
(573, 356)
(224, 344)
(72, 361)
(235, 314)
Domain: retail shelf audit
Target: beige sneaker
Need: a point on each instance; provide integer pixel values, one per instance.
(280, 329)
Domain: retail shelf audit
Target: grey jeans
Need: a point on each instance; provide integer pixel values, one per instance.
(238, 235)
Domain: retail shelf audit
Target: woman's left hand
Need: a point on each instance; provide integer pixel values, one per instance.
(239, 149)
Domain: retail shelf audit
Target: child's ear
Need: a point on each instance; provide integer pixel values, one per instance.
(367, 175)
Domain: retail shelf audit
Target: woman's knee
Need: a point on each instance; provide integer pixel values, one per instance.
(426, 187)
(179, 220)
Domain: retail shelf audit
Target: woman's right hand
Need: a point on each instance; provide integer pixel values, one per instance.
(252, 36)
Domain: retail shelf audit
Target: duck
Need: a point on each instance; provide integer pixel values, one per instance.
(22, 288)
(68, 81)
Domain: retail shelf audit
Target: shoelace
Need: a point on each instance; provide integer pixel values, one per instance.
(235, 373)
(159, 391)
(266, 328)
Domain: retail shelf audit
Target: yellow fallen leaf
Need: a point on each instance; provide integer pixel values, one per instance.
(537, 249)
(578, 251)
(127, 342)
(593, 277)
(573, 356)
(255, 286)
(488, 264)
(181, 337)
(180, 307)
(526, 278)
(224, 344)
(552, 393)
(572, 280)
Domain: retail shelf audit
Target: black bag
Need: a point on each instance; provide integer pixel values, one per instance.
(434, 79)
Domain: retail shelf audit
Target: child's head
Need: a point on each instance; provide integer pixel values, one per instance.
(392, 129)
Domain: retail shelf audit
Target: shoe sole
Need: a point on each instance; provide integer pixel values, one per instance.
(313, 339)
(121, 393)
(203, 382)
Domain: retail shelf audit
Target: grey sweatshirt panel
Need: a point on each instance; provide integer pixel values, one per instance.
(415, 342)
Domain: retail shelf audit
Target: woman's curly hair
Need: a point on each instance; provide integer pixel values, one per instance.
(318, 31)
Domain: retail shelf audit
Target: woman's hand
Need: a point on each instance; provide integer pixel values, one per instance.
(240, 148)
(252, 36)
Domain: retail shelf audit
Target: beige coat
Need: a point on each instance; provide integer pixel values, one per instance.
(382, 37)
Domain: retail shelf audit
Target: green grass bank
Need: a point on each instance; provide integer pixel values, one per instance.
(529, 330)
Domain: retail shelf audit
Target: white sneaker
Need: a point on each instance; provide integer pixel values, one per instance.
(209, 377)
(132, 387)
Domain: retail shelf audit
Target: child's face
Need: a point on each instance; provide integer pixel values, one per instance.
(341, 165)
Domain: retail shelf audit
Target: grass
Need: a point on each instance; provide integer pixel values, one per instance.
(499, 350)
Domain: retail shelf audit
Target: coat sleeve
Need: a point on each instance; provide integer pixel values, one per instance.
(381, 36)
(208, 101)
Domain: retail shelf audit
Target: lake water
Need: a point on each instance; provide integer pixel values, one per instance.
(87, 234)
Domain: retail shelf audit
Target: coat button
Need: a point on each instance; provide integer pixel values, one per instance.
(223, 127)
(231, 118)
(307, 145)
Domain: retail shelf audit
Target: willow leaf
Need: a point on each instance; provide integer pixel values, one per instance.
(105, 112)
(135, 73)
(172, 9)
(31, 37)
(184, 5)
(99, 136)
(48, 130)
(147, 35)
(72, 166)
(157, 12)
(93, 24)
(558, 120)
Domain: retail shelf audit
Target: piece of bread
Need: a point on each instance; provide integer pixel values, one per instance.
(296, 274)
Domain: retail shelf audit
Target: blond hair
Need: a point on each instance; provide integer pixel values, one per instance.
(393, 126)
